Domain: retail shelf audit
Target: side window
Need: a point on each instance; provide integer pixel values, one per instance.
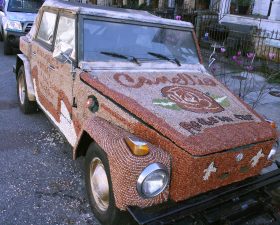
(46, 29)
(65, 37)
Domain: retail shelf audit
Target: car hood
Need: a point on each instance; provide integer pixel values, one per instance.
(21, 16)
(193, 110)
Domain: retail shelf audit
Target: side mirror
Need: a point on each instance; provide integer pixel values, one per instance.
(62, 52)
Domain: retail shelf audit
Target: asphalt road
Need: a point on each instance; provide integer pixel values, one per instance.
(39, 181)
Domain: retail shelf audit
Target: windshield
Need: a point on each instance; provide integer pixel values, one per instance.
(29, 6)
(109, 41)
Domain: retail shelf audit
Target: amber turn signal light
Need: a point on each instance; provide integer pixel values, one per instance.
(272, 123)
(137, 146)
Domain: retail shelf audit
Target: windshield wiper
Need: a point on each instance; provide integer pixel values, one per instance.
(129, 58)
(160, 56)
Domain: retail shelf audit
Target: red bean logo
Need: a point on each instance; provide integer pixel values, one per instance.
(191, 99)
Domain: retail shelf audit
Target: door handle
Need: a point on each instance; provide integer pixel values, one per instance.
(51, 67)
(34, 53)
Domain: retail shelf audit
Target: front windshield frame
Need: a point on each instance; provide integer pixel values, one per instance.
(130, 22)
(11, 9)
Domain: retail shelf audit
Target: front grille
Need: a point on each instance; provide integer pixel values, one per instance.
(28, 27)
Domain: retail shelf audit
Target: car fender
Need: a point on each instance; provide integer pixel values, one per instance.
(1, 20)
(4, 25)
(23, 60)
(125, 167)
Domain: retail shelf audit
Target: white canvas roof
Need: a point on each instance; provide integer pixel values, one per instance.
(117, 13)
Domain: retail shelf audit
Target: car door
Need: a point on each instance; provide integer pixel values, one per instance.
(52, 79)
(41, 68)
(65, 42)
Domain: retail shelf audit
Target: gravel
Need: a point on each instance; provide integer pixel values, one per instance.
(40, 183)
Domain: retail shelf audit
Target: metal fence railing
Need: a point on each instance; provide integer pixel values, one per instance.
(246, 39)
(267, 44)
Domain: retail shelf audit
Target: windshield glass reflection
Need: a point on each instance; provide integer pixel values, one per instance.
(140, 42)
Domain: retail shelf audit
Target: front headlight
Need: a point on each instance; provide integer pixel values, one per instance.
(153, 180)
(273, 151)
(13, 25)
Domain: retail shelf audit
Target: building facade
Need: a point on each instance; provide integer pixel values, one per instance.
(264, 14)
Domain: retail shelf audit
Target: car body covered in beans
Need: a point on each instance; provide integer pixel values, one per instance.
(129, 92)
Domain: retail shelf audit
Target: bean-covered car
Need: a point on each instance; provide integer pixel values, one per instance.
(16, 20)
(160, 135)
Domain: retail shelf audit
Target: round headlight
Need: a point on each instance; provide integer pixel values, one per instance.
(273, 151)
(153, 180)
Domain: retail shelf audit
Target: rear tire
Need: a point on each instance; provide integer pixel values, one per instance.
(99, 188)
(26, 106)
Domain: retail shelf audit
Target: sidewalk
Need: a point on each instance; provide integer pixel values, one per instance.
(268, 106)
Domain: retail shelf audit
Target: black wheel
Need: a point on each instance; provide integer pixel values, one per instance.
(1, 34)
(7, 48)
(99, 188)
(26, 106)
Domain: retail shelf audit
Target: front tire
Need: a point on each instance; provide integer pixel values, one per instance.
(1, 34)
(7, 48)
(26, 106)
(99, 187)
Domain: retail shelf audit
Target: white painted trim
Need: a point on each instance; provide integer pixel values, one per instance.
(66, 125)
(265, 24)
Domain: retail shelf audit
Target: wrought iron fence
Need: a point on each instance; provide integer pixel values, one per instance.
(232, 40)
(234, 37)
(246, 39)
(267, 44)
(238, 59)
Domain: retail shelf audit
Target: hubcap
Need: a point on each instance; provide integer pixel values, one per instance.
(21, 89)
(99, 184)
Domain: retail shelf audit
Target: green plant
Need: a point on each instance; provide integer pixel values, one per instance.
(244, 2)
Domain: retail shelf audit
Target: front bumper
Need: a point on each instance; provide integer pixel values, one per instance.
(12, 37)
(247, 202)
